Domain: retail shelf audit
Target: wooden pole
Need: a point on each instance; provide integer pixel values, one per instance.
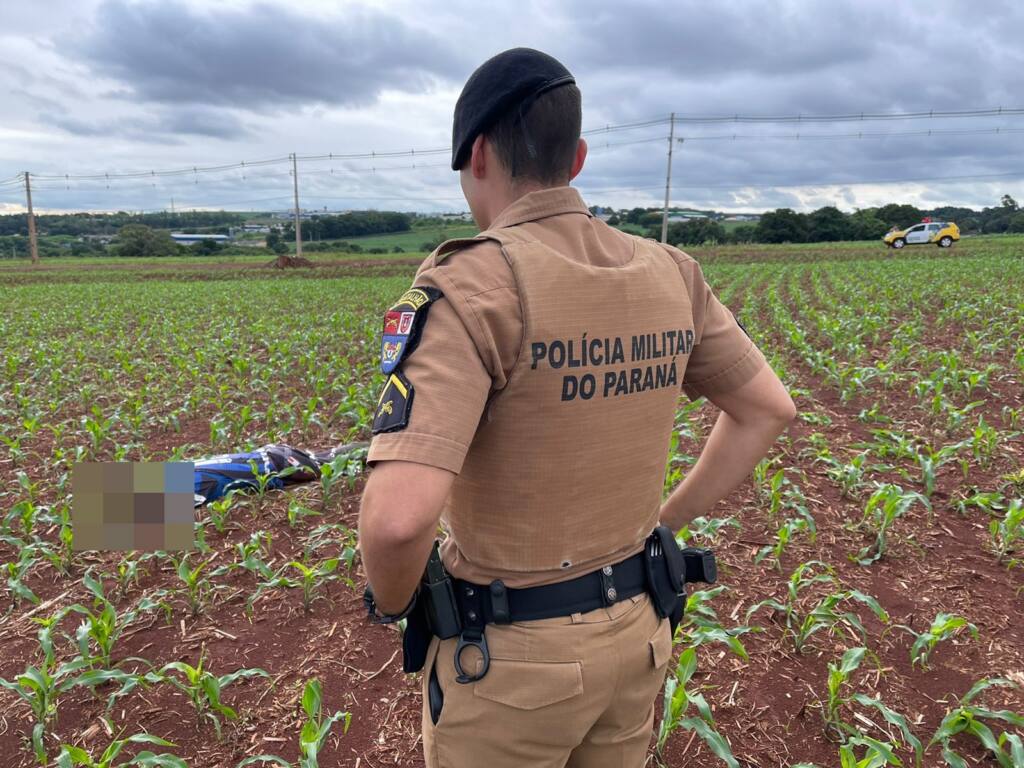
(668, 176)
(298, 219)
(33, 244)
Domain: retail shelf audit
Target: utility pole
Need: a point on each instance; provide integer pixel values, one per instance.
(668, 176)
(33, 246)
(172, 206)
(298, 219)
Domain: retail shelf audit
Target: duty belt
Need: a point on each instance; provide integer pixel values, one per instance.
(497, 604)
(494, 603)
(447, 607)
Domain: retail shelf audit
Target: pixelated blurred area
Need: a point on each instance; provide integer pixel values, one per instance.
(133, 506)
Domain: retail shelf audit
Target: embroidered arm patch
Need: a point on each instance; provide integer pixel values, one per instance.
(394, 405)
(403, 325)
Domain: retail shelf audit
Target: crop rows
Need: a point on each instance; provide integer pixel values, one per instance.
(869, 610)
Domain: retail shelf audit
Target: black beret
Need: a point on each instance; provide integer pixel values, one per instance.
(499, 84)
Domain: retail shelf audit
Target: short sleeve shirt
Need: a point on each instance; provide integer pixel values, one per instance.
(473, 336)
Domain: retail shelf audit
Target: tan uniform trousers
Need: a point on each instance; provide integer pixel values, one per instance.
(575, 691)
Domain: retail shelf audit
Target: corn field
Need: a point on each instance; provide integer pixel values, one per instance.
(870, 603)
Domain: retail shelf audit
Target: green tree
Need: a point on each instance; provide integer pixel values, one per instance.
(275, 242)
(633, 216)
(1016, 223)
(1008, 202)
(205, 247)
(827, 224)
(783, 225)
(141, 240)
(865, 225)
(902, 216)
(744, 233)
(695, 232)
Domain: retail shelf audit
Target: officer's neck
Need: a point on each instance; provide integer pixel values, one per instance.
(503, 195)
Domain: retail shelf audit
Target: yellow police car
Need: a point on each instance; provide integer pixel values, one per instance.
(941, 233)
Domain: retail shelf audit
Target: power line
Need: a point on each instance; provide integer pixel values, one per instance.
(678, 118)
(858, 135)
(840, 183)
(853, 117)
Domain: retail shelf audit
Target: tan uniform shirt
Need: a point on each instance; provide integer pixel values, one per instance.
(547, 378)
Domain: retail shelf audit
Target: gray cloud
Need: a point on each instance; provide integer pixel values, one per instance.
(170, 125)
(266, 56)
(182, 78)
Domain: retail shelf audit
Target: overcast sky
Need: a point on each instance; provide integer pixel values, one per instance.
(103, 86)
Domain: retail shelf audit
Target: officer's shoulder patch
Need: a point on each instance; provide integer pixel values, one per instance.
(394, 405)
(403, 325)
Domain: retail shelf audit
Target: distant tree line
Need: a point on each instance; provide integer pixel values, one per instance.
(351, 224)
(78, 224)
(827, 224)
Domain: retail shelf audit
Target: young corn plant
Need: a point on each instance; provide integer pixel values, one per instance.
(700, 624)
(313, 734)
(71, 756)
(1007, 532)
(991, 503)
(344, 468)
(838, 677)
(929, 461)
(195, 586)
(316, 726)
(41, 688)
(876, 754)
(127, 572)
(786, 533)
(310, 579)
(943, 627)
(60, 557)
(826, 614)
(218, 510)
(849, 476)
(17, 570)
(676, 703)
(839, 699)
(99, 428)
(297, 512)
(204, 689)
(101, 625)
(707, 529)
(1007, 748)
(886, 505)
(251, 554)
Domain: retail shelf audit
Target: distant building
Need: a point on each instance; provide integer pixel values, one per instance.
(186, 238)
(253, 227)
(686, 216)
(743, 217)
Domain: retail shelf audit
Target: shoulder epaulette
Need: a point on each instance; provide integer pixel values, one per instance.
(450, 246)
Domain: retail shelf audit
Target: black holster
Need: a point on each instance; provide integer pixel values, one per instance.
(669, 568)
(435, 613)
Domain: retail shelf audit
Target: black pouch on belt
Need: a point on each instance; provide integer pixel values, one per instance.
(435, 613)
(666, 571)
(416, 638)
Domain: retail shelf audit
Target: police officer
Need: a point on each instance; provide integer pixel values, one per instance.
(533, 377)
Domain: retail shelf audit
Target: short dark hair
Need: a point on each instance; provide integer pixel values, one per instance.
(552, 125)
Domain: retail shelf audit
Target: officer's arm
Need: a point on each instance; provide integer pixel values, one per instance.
(398, 519)
(753, 416)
